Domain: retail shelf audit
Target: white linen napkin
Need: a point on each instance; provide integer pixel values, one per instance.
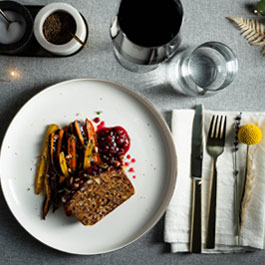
(178, 215)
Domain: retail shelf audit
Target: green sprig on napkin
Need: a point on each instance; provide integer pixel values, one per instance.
(236, 170)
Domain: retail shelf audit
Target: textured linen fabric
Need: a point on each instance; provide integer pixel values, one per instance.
(177, 222)
(204, 20)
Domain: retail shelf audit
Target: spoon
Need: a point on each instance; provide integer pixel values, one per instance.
(5, 16)
(77, 39)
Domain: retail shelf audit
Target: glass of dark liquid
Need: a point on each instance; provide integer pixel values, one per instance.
(146, 33)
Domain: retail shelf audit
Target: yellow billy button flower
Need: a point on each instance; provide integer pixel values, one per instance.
(249, 134)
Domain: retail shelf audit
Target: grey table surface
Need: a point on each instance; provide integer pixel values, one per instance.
(204, 21)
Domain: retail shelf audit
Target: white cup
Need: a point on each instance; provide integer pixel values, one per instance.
(65, 49)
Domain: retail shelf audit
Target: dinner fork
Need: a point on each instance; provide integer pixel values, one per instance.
(215, 147)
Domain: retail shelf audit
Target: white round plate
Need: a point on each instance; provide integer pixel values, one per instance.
(151, 145)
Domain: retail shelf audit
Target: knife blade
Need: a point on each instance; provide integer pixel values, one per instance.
(196, 169)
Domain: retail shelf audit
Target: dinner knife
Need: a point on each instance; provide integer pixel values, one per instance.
(196, 170)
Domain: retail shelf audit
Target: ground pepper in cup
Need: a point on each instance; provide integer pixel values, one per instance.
(58, 27)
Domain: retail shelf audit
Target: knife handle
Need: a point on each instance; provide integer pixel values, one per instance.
(210, 237)
(195, 236)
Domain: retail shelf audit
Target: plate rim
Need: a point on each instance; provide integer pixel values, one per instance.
(166, 132)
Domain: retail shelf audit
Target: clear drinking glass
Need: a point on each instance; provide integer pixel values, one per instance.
(203, 70)
(145, 33)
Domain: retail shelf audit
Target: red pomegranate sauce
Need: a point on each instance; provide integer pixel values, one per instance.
(101, 126)
(96, 120)
(113, 144)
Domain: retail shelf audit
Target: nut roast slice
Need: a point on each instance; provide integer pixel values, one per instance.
(99, 195)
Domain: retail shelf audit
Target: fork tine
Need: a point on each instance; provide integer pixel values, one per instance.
(224, 130)
(220, 128)
(215, 127)
(211, 127)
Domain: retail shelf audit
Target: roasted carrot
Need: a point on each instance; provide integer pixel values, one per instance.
(63, 166)
(59, 143)
(79, 132)
(43, 161)
(71, 149)
(61, 179)
(90, 130)
(91, 134)
(52, 148)
(53, 168)
(47, 201)
(56, 199)
(88, 155)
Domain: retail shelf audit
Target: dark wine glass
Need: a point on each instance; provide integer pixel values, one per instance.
(146, 32)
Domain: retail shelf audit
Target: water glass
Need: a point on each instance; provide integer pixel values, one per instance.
(203, 70)
(146, 33)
